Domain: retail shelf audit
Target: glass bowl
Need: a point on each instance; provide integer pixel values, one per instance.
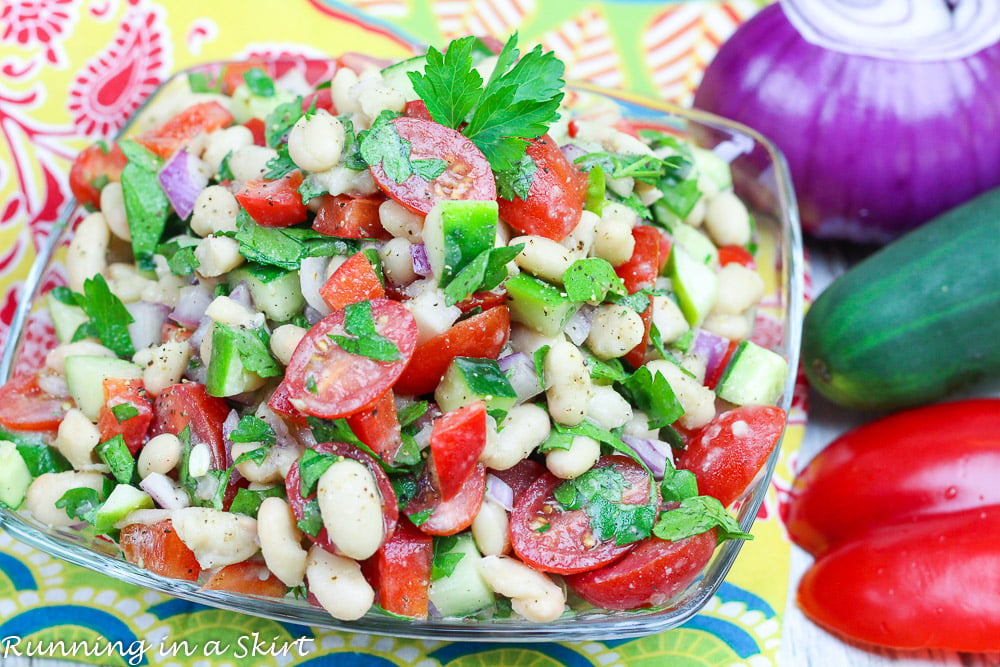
(761, 178)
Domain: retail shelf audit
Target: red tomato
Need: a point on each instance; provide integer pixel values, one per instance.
(555, 199)
(714, 378)
(179, 130)
(726, 455)
(281, 403)
(927, 583)
(119, 391)
(417, 109)
(157, 548)
(353, 281)
(248, 578)
(467, 176)
(93, 166)
(188, 404)
(447, 517)
(232, 74)
(736, 254)
(482, 336)
(643, 267)
(401, 570)
(25, 407)
(378, 427)
(174, 333)
(552, 539)
(483, 300)
(324, 380)
(521, 476)
(274, 203)
(637, 355)
(650, 575)
(390, 507)
(258, 130)
(458, 438)
(350, 217)
(320, 99)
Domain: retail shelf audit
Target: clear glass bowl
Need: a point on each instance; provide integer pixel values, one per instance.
(761, 178)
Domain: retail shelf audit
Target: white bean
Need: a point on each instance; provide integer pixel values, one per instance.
(432, 313)
(613, 238)
(46, 489)
(727, 219)
(273, 468)
(338, 584)
(217, 256)
(668, 318)
(284, 340)
(697, 214)
(340, 90)
(113, 208)
(739, 289)
(56, 358)
(76, 438)
(569, 393)
(281, 541)
(615, 330)
(400, 221)
(341, 179)
(570, 463)
(126, 283)
(697, 400)
(166, 290)
(525, 427)
(374, 97)
(217, 538)
(163, 365)
(351, 507)
(215, 210)
(225, 310)
(733, 327)
(160, 455)
(533, 595)
(221, 143)
(581, 239)
(491, 529)
(542, 257)
(397, 263)
(608, 408)
(315, 142)
(87, 252)
(250, 162)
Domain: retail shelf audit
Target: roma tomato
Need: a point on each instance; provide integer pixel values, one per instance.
(274, 203)
(25, 407)
(189, 405)
(157, 548)
(378, 427)
(726, 455)
(446, 517)
(648, 576)
(248, 578)
(928, 460)
(132, 427)
(553, 539)
(458, 438)
(95, 165)
(482, 335)
(179, 130)
(354, 280)
(401, 571)
(927, 583)
(555, 199)
(325, 380)
(467, 175)
(350, 217)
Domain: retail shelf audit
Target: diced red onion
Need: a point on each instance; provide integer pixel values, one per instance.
(182, 179)
(147, 326)
(204, 326)
(312, 315)
(191, 305)
(229, 424)
(421, 264)
(654, 453)
(578, 326)
(519, 368)
(572, 151)
(53, 384)
(312, 275)
(163, 492)
(241, 294)
(499, 492)
(710, 347)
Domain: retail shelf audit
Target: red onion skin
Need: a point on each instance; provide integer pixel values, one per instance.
(860, 173)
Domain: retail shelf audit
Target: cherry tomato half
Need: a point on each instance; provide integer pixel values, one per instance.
(458, 438)
(95, 165)
(350, 217)
(157, 548)
(178, 131)
(25, 407)
(446, 517)
(189, 405)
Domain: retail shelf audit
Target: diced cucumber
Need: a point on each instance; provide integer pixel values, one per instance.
(395, 75)
(121, 502)
(463, 592)
(697, 244)
(754, 376)
(226, 375)
(85, 377)
(245, 105)
(538, 304)
(712, 167)
(15, 478)
(279, 298)
(456, 232)
(66, 319)
(694, 283)
(469, 379)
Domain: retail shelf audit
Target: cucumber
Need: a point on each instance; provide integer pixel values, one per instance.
(395, 75)
(712, 167)
(915, 321)
(463, 592)
(694, 283)
(15, 478)
(469, 379)
(279, 298)
(754, 376)
(539, 305)
(85, 379)
(226, 375)
(696, 243)
(456, 232)
(122, 501)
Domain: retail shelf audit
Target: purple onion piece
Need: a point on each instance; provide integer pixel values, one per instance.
(229, 425)
(572, 151)
(578, 326)
(146, 328)
(204, 326)
(653, 453)
(182, 181)
(710, 347)
(312, 275)
(163, 492)
(520, 371)
(499, 492)
(191, 305)
(421, 264)
(241, 295)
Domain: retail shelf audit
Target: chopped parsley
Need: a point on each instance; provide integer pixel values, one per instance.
(362, 338)
(592, 279)
(383, 145)
(259, 83)
(446, 559)
(487, 270)
(124, 411)
(146, 205)
(652, 394)
(695, 516)
(108, 319)
(599, 492)
(253, 429)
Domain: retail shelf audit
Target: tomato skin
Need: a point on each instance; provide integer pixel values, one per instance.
(25, 407)
(350, 217)
(520, 476)
(179, 130)
(736, 254)
(725, 463)
(347, 383)
(258, 130)
(157, 548)
(447, 516)
(927, 583)
(248, 578)
(467, 176)
(353, 281)
(458, 438)
(482, 336)
(568, 546)
(555, 199)
(648, 576)
(401, 571)
(640, 272)
(378, 427)
(950, 453)
(417, 109)
(274, 203)
(119, 391)
(94, 164)
(188, 404)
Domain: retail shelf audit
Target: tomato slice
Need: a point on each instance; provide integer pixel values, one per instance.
(350, 217)
(157, 548)
(95, 165)
(467, 176)
(555, 199)
(247, 577)
(401, 571)
(482, 336)
(552, 539)
(25, 407)
(324, 380)
(390, 506)
(648, 576)
(354, 280)
(520, 476)
(726, 455)
(179, 130)
(132, 428)
(378, 427)
(274, 203)
(447, 517)
(189, 405)
(258, 130)
(417, 109)
(736, 254)
(458, 438)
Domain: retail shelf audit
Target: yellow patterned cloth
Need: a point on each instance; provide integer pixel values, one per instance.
(72, 71)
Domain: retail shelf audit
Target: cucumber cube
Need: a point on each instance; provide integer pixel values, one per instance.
(456, 232)
(15, 478)
(279, 298)
(538, 304)
(85, 379)
(66, 319)
(122, 501)
(470, 379)
(754, 376)
(463, 592)
(694, 283)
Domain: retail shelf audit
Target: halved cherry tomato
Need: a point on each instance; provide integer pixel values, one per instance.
(350, 217)
(324, 380)
(417, 109)
(157, 548)
(736, 254)
(353, 281)
(378, 427)
(247, 577)
(458, 438)
(648, 576)
(390, 506)
(521, 476)
(25, 407)
(189, 405)
(258, 130)
(281, 403)
(467, 176)
(95, 165)
(482, 336)
(727, 454)
(274, 203)
(555, 199)
(552, 539)
(401, 571)
(121, 391)
(447, 517)
(179, 130)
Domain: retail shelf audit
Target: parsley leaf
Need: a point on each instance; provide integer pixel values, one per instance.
(351, 153)
(362, 338)
(108, 317)
(252, 347)
(114, 452)
(80, 503)
(259, 83)
(428, 168)
(599, 492)
(695, 516)
(487, 270)
(449, 84)
(311, 521)
(281, 164)
(248, 502)
(445, 558)
(124, 411)
(312, 465)
(310, 189)
(591, 280)
(678, 484)
(284, 247)
(253, 429)
(382, 144)
(146, 205)
(516, 182)
(652, 394)
(280, 120)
